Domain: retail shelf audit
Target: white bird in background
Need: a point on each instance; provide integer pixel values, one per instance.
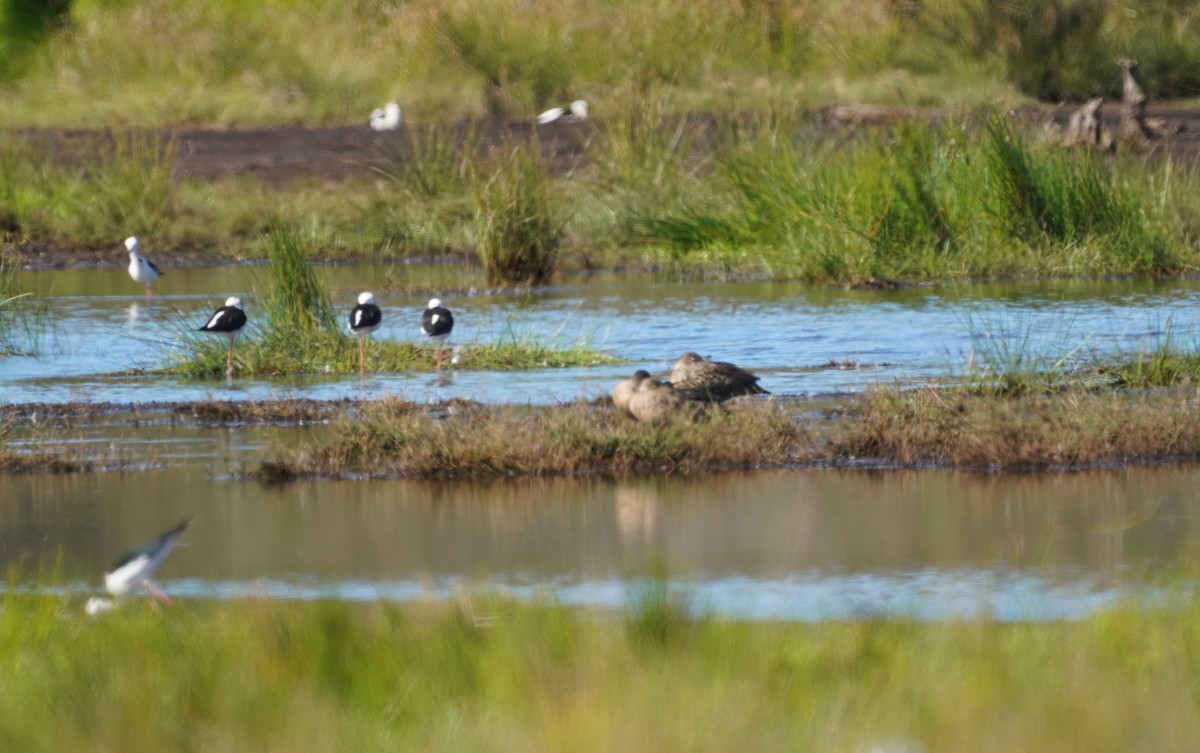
(227, 321)
(365, 318)
(436, 323)
(141, 269)
(135, 569)
(577, 111)
(387, 118)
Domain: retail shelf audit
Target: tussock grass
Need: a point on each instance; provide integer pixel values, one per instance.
(499, 676)
(22, 317)
(919, 201)
(519, 232)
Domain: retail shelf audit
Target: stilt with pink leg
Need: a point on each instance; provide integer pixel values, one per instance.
(365, 318)
(227, 321)
(436, 324)
(141, 269)
(135, 569)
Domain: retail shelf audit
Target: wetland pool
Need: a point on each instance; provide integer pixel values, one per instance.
(794, 545)
(791, 334)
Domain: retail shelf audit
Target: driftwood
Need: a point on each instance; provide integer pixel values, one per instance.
(1085, 128)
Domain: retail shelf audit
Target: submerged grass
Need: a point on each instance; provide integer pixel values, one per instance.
(486, 674)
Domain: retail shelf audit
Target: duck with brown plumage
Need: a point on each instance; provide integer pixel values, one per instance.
(717, 380)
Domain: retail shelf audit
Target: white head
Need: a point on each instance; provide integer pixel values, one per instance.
(579, 109)
(365, 298)
(131, 243)
(234, 301)
(434, 303)
(387, 119)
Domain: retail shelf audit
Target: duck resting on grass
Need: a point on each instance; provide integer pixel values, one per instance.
(654, 402)
(141, 269)
(626, 388)
(135, 569)
(716, 380)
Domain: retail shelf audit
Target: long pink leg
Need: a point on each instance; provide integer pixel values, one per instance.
(156, 593)
(439, 359)
(229, 361)
(149, 295)
(362, 361)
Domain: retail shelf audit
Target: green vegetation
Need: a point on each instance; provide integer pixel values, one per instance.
(21, 316)
(500, 676)
(519, 234)
(318, 61)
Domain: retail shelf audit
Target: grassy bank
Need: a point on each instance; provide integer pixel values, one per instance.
(774, 196)
(1065, 430)
(495, 676)
(72, 62)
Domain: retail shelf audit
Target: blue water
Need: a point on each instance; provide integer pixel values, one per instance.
(785, 332)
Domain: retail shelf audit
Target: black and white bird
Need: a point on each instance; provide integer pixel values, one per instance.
(141, 269)
(386, 118)
(365, 318)
(578, 110)
(227, 321)
(135, 569)
(436, 323)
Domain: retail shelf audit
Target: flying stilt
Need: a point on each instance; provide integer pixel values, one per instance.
(141, 269)
(578, 110)
(135, 569)
(436, 323)
(228, 322)
(364, 319)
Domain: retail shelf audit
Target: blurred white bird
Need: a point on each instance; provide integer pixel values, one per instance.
(135, 569)
(141, 269)
(388, 118)
(577, 111)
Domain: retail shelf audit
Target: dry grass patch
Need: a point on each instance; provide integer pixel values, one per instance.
(577, 438)
(1032, 432)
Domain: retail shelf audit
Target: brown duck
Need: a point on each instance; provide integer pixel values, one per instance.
(625, 389)
(654, 401)
(716, 380)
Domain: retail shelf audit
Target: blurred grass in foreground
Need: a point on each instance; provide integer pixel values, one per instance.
(489, 675)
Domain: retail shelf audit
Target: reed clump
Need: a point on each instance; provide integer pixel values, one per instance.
(519, 231)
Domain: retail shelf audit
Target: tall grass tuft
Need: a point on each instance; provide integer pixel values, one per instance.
(22, 318)
(519, 232)
(296, 302)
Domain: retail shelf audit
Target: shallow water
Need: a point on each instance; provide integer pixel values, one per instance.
(785, 332)
(797, 545)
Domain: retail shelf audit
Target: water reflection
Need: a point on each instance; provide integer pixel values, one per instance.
(789, 544)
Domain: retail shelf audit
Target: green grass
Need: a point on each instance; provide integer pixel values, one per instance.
(22, 316)
(489, 675)
(317, 61)
(519, 232)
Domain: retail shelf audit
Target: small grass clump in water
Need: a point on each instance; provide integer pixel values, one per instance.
(489, 674)
(302, 335)
(519, 234)
(22, 317)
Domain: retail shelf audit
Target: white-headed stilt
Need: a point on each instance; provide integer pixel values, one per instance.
(436, 324)
(365, 318)
(135, 569)
(386, 118)
(578, 110)
(141, 269)
(227, 321)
